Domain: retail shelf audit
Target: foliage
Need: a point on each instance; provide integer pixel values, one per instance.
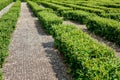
(36, 8)
(115, 16)
(87, 59)
(77, 7)
(4, 3)
(48, 19)
(59, 9)
(7, 26)
(110, 29)
(78, 15)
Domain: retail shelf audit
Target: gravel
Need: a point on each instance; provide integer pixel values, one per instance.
(32, 54)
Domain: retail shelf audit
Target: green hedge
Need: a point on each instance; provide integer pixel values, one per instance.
(78, 15)
(48, 19)
(76, 40)
(115, 16)
(76, 7)
(36, 8)
(87, 59)
(46, 16)
(110, 29)
(59, 9)
(94, 6)
(7, 26)
(112, 5)
(4, 3)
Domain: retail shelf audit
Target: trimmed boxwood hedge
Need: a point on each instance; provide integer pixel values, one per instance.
(115, 16)
(105, 27)
(110, 29)
(7, 26)
(4, 3)
(48, 19)
(45, 15)
(87, 59)
(58, 8)
(77, 7)
(36, 8)
(78, 15)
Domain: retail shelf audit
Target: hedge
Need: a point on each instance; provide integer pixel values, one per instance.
(36, 8)
(48, 19)
(115, 16)
(87, 59)
(94, 6)
(78, 15)
(4, 3)
(7, 26)
(110, 29)
(76, 7)
(59, 9)
(112, 5)
(81, 41)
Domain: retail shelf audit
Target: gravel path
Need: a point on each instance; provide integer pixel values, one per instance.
(99, 39)
(32, 54)
(6, 9)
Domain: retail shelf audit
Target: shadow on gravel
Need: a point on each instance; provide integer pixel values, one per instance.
(57, 61)
(52, 54)
(40, 30)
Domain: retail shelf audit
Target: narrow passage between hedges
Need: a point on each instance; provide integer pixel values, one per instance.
(6, 9)
(32, 54)
(101, 40)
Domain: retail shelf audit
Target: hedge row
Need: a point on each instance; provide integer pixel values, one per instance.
(59, 9)
(48, 19)
(112, 13)
(115, 16)
(4, 3)
(7, 26)
(87, 59)
(108, 28)
(76, 7)
(93, 6)
(106, 14)
(112, 5)
(97, 5)
(78, 15)
(36, 8)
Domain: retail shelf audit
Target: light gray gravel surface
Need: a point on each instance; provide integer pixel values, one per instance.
(32, 54)
(6, 9)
